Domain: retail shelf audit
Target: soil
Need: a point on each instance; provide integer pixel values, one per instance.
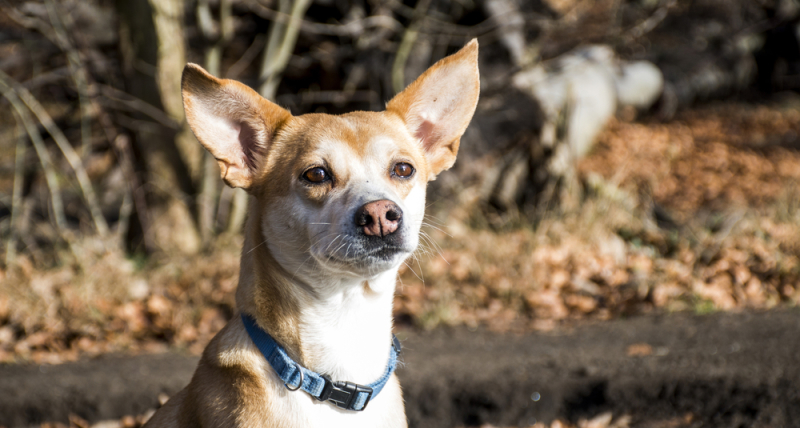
(676, 370)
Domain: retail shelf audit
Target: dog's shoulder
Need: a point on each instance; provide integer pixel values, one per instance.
(228, 387)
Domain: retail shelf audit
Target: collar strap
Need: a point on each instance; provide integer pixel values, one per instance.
(345, 395)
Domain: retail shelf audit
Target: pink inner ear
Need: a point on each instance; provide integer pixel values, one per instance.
(248, 138)
(425, 134)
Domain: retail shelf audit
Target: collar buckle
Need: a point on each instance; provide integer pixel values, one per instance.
(344, 394)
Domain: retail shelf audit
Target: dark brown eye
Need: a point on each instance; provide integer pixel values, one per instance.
(316, 175)
(403, 170)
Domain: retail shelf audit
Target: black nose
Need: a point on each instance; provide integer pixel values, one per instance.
(379, 218)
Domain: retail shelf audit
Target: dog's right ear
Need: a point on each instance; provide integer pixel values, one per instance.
(232, 121)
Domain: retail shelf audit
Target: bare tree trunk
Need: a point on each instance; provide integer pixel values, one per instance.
(168, 17)
(151, 39)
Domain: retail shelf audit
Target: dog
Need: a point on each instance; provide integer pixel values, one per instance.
(336, 205)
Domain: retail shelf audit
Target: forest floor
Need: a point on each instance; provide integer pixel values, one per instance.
(695, 215)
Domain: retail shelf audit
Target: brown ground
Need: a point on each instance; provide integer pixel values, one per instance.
(724, 370)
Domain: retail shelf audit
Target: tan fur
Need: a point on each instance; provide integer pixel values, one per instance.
(264, 149)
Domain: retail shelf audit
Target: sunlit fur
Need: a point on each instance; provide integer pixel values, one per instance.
(308, 276)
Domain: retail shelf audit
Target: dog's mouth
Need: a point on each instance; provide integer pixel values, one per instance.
(386, 253)
(365, 254)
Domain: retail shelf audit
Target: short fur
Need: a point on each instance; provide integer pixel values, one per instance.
(309, 275)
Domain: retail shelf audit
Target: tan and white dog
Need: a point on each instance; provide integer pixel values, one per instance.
(336, 208)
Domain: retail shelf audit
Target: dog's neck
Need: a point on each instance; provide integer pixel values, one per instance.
(340, 327)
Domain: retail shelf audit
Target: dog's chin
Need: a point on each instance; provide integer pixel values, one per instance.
(366, 264)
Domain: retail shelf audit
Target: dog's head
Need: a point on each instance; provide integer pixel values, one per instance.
(337, 195)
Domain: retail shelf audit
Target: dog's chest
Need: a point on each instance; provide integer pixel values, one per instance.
(350, 340)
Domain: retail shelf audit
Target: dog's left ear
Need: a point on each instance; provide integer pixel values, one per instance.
(233, 122)
(439, 105)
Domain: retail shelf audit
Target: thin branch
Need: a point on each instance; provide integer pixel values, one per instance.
(218, 35)
(433, 25)
(16, 194)
(46, 78)
(125, 211)
(77, 70)
(281, 43)
(247, 58)
(350, 29)
(63, 144)
(124, 152)
(135, 104)
(651, 22)
(406, 44)
(331, 97)
(28, 22)
(22, 115)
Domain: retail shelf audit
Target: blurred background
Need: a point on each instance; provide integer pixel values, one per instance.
(627, 157)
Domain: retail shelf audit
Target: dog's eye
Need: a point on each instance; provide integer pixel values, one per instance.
(403, 170)
(316, 175)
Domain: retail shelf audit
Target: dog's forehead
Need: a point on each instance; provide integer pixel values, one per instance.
(363, 133)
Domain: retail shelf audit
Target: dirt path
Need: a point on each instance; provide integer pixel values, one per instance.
(721, 370)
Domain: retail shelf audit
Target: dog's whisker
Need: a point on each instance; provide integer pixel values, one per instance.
(421, 273)
(339, 247)
(432, 243)
(253, 249)
(310, 256)
(331, 243)
(437, 228)
(411, 268)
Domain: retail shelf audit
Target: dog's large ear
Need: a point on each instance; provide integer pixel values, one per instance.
(233, 122)
(439, 105)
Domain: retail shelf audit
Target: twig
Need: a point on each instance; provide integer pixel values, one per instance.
(124, 152)
(430, 24)
(16, 194)
(29, 22)
(409, 37)
(46, 78)
(63, 144)
(247, 58)
(210, 171)
(138, 105)
(282, 39)
(125, 211)
(350, 29)
(224, 207)
(22, 115)
(28, 239)
(651, 22)
(77, 70)
(331, 97)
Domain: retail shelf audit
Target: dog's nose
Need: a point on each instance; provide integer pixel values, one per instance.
(379, 218)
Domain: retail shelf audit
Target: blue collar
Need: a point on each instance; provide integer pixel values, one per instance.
(346, 395)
